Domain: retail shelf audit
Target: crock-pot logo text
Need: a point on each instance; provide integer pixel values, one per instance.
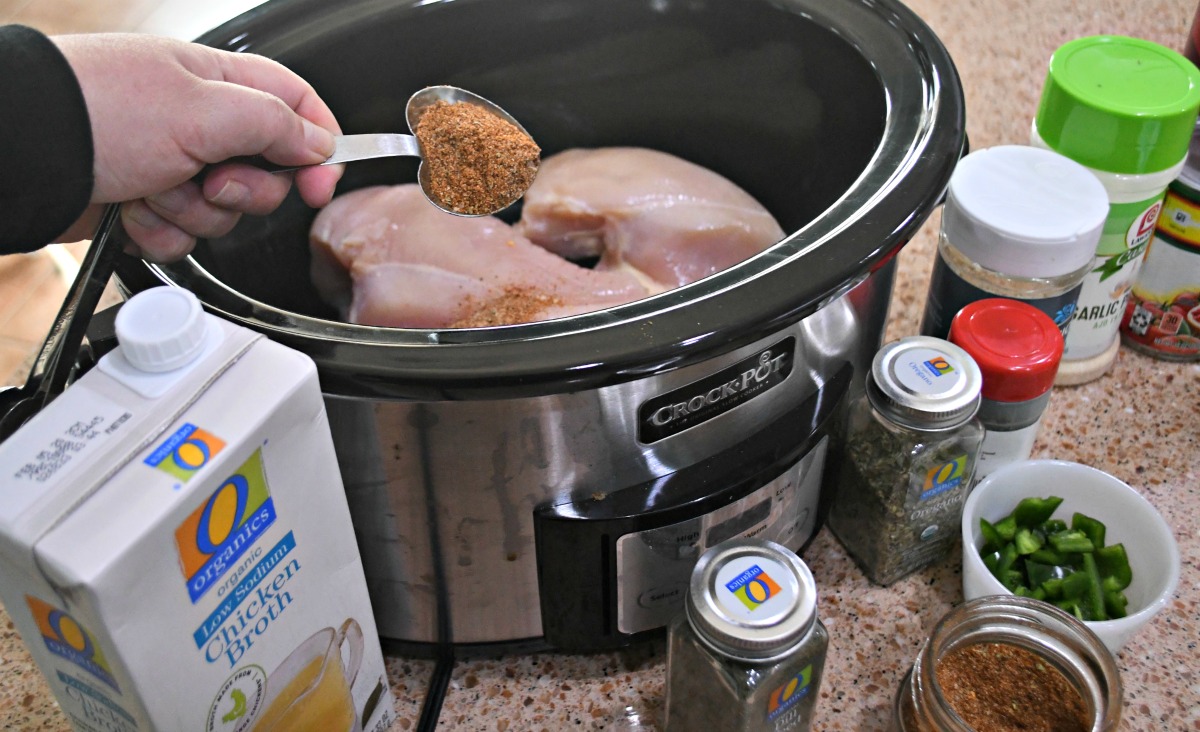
(700, 401)
(224, 527)
(66, 638)
(185, 452)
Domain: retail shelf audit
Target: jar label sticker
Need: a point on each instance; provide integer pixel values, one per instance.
(789, 693)
(927, 371)
(944, 477)
(949, 293)
(757, 589)
(753, 587)
(1097, 319)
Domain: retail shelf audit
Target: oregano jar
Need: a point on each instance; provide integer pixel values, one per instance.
(912, 442)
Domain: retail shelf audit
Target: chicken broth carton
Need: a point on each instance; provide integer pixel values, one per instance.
(175, 546)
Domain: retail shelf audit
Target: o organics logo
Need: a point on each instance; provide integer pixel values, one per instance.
(944, 477)
(222, 528)
(753, 587)
(66, 638)
(788, 693)
(939, 366)
(185, 452)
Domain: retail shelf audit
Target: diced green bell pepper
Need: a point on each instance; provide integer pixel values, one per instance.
(1039, 574)
(1033, 512)
(1046, 555)
(1075, 586)
(1028, 541)
(991, 537)
(1093, 602)
(1091, 528)
(1053, 588)
(1115, 603)
(1071, 541)
(1113, 562)
(1054, 526)
(1007, 527)
(1035, 555)
(991, 560)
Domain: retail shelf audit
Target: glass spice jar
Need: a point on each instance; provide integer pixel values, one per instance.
(1021, 223)
(1018, 348)
(911, 444)
(1124, 108)
(1162, 315)
(1005, 663)
(747, 653)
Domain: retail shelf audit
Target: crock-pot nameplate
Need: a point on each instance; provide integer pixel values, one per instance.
(654, 566)
(683, 408)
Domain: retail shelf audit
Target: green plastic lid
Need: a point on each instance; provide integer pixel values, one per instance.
(1122, 105)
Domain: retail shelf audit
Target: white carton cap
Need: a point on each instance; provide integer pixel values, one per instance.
(161, 329)
(1025, 211)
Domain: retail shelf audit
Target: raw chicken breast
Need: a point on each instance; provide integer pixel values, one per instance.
(385, 256)
(671, 220)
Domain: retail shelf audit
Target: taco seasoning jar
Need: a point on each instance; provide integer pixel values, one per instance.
(746, 654)
(1010, 664)
(1019, 222)
(911, 444)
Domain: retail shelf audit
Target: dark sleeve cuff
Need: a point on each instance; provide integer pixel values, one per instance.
(45, 142)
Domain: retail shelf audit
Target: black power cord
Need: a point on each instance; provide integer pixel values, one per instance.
(431, 707)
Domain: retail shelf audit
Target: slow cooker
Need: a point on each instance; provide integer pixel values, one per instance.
(553, 483)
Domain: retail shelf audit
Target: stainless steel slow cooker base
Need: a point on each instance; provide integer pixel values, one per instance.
(466, 452)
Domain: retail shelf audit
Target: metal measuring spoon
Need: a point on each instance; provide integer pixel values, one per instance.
(349, 148)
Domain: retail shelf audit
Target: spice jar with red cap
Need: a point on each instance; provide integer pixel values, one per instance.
(1018, 348)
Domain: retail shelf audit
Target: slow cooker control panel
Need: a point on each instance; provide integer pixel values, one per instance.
(613, 567)
(653, 566)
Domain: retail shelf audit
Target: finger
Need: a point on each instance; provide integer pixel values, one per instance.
(318, 183)
(157, 240)
(185, 207)
(259, 107)
(246, 189)
(231, 120)
(259, 72)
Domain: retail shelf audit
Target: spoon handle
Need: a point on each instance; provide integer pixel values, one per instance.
(364, 147)
(347, 148)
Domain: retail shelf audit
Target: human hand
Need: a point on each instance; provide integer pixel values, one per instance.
(162, 109)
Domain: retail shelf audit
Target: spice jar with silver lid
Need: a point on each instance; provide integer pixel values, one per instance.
(1005, 663)
(747, 653)
(911, 445)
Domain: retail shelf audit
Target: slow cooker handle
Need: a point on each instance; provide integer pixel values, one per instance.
(54, 367)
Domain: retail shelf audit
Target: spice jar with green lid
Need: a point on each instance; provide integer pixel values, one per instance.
(746, 654)
(1125, 108)
(911, 445)
(1006, 663)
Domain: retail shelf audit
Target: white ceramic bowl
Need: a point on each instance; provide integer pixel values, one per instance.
(1130, 519)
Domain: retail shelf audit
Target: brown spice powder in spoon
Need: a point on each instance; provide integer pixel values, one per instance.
(478, 162)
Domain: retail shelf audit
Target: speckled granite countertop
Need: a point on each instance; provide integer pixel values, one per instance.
(1139, 423)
